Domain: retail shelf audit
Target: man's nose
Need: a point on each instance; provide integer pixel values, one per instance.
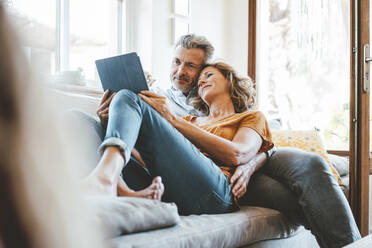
(181, 69)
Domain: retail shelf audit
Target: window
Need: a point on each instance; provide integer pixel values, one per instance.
(69, 35)
(38, 26)
(304, 66)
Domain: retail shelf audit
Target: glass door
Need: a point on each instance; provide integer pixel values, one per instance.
(309, 72)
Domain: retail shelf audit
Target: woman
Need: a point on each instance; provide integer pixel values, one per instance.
(198, 181)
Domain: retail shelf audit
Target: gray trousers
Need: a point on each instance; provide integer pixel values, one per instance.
(297, 183)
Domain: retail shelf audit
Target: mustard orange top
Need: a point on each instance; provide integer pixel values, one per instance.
(227, 127)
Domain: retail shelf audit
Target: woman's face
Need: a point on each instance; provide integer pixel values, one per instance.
(212, 84)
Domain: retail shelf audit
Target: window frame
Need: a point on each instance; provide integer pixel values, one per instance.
(62, 59)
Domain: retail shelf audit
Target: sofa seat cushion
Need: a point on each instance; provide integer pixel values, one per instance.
(248, 225)
(123, 215)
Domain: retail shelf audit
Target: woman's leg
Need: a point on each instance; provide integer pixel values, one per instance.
(323, 203)
(191, 180)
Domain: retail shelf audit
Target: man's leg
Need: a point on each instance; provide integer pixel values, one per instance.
(325, 207)
(264, 191)
(191, 179)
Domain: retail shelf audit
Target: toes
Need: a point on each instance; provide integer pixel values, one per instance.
(157, 180)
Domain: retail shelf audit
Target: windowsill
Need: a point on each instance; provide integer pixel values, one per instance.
(76, 89)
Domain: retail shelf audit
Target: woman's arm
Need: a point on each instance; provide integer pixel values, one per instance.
(240, 150)
(240, 179)
(244, 146)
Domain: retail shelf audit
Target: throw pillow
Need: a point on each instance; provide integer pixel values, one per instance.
(309, 141)
(124, 215)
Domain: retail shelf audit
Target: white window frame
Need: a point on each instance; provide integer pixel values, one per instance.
(63, 32)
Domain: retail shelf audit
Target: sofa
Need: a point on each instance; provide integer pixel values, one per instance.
(251, 226)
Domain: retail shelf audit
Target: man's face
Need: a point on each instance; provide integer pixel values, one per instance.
(185, 67)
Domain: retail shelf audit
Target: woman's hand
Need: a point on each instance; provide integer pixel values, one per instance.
(159, 103)
(239, 181)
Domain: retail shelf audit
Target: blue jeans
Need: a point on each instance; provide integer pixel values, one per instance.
(191, 179)
(297, 183)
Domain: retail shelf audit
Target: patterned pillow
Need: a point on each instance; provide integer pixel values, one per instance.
(309, 141)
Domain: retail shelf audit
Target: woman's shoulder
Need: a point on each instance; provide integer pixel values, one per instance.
(249, 114)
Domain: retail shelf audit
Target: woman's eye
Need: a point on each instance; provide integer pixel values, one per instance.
(209, 74)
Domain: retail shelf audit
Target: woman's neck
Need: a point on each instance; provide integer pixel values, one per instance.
(221, 107)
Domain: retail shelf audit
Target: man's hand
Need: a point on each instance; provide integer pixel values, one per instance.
(159, 103)
(103, 109)
(239, 181)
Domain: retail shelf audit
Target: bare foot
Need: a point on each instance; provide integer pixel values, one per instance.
(154, 191)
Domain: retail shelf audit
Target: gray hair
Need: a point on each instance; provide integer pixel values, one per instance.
(195, 41)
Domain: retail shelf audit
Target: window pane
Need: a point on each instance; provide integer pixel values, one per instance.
(93, 34)
(304, 66)
(36, 22)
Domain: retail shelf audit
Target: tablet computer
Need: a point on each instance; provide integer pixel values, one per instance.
(122, 72)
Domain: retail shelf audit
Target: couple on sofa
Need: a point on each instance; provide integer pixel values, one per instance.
(214, 154)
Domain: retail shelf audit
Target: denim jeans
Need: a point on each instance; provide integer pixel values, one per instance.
(297, 183)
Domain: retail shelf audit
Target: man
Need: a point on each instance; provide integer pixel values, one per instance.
(294, 182)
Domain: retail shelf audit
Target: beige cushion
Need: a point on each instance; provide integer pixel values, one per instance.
(248, 225)
(123, 215)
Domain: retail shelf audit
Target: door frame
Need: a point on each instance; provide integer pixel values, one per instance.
(359, 116)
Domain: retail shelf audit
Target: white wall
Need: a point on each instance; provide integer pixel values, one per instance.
(223, 22)
(236, 41)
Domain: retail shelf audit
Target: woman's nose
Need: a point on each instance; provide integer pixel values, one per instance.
(201, 82)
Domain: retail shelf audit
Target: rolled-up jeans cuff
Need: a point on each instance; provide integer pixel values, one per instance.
(123, 147)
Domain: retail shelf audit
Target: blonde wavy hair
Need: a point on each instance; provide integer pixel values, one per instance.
(242, 91)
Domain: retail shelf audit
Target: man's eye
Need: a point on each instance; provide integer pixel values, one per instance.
(176, 61)
(209, 74)
(192, 66)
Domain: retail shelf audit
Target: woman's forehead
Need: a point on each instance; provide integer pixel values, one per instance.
(207, 69)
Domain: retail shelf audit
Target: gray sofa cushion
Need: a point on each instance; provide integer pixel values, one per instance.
(246, 226)
(341, 164)
(122, 215)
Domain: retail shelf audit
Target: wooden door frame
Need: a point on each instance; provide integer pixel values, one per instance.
(359, 117)
(252, 20)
